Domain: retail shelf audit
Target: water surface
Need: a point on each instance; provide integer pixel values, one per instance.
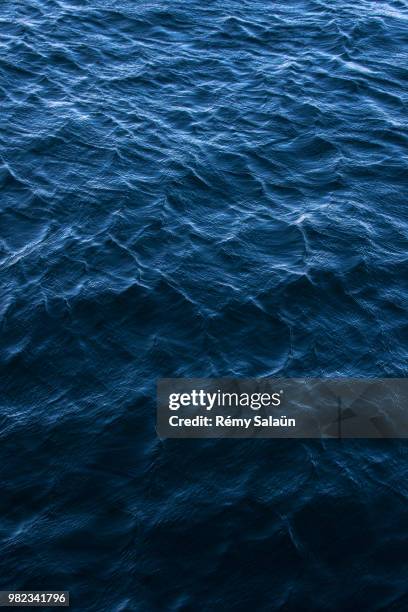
(199, 189)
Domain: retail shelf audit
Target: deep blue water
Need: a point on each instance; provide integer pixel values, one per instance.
(200, 189)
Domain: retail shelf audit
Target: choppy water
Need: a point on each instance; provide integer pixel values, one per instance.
(199, 189)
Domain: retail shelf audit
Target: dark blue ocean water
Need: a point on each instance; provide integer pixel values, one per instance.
(199, 189)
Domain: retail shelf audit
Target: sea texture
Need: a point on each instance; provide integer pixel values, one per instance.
(199, 188)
